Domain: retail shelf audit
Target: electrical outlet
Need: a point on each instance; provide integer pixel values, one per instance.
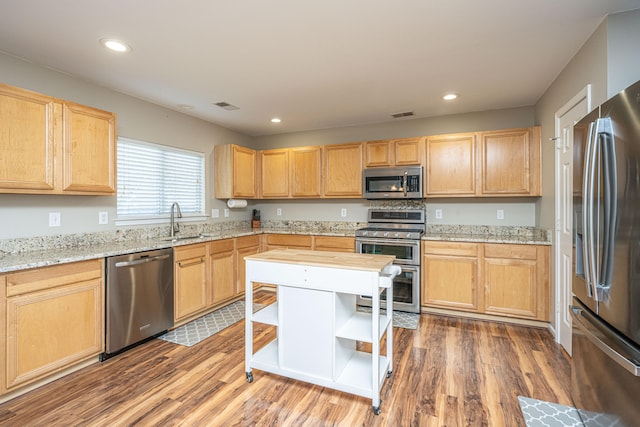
(500, 214)
(343, 212)
(438, 213)
(54, 219)
(278, 212)
(226, 213)
(103, 217)
(215, 213)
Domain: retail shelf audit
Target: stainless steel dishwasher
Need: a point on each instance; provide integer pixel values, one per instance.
(139, 298)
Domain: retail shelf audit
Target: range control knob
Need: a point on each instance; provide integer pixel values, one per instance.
(397, 235)
(409, 236)
(386, 234)
(364, 233)
(375, 234)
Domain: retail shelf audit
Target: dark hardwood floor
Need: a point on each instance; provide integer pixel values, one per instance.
(449, 372)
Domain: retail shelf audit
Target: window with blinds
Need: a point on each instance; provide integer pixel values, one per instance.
(152, 177)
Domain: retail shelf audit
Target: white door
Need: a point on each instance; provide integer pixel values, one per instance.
(566, 117)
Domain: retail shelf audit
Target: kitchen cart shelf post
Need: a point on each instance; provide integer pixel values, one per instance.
(316, 320)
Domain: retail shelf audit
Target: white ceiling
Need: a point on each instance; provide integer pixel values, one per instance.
(316, 64)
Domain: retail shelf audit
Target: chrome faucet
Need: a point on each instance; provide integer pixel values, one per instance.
(174, 225)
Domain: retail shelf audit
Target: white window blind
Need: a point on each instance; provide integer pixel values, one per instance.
(151, 177)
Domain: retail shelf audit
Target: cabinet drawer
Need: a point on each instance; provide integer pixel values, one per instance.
(334, 243)
(189, 251)
(289, 240)
(451, 248)
(219, 246)
(52, 277)
(510, 251)
(247, 241)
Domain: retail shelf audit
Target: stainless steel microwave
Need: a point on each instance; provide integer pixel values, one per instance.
(392, 183)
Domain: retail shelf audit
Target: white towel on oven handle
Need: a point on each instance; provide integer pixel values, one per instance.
(388, 274)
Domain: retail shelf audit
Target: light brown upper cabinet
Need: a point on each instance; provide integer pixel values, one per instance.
(342, 165)
(451, 165)
(291, 173)
(510, 162)
(51, 146)
(89, 150)
(393, 152)
(235, 172)
(306, 171)
(484, 164)
(274, 173)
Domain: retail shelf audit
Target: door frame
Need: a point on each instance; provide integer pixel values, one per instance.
(563, 287)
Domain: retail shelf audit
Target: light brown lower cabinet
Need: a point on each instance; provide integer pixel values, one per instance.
(450, 275)
(190, 281)
(52, 318)
(508, 280)
(209, 275)
(245, 246)
(516, 280)
(281, 241)
(222, 270)
(334, 243)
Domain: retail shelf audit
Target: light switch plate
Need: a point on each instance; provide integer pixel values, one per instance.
(500, 214)
(343, 212)
(103, 217)
(226, 213)
(215, 213)
(54, 219)
(278, 212)
(438, 213)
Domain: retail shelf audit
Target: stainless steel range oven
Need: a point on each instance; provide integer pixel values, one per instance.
(396, 232)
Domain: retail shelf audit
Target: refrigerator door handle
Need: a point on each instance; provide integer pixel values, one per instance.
(588, 247)
(619, 354)
(610, 177)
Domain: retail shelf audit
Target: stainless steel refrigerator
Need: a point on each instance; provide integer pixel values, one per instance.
(605, 373)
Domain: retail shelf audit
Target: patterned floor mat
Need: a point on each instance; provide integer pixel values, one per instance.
(401, 319)
(538, 413)
(197, 330)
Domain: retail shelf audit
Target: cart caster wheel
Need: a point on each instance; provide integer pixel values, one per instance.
(388, 374)
(249, 377)
(376, 410)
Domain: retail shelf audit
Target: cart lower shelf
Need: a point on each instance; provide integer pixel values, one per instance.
(355, 378)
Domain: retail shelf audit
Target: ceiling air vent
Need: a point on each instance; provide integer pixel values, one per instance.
(404, 114)
(226, 105)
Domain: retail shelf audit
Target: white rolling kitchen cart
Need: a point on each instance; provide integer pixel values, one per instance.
(316, 318)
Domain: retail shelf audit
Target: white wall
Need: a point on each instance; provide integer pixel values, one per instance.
(588, 66)
(27, 215)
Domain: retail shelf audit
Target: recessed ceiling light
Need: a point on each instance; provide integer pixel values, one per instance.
(450, 96)
(115, 45)
(276, 120)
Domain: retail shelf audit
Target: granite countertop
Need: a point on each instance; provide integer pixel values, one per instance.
(22, 254)
(81, 250)
(488, 234)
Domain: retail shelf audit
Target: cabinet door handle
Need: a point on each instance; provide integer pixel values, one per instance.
(189, 264)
